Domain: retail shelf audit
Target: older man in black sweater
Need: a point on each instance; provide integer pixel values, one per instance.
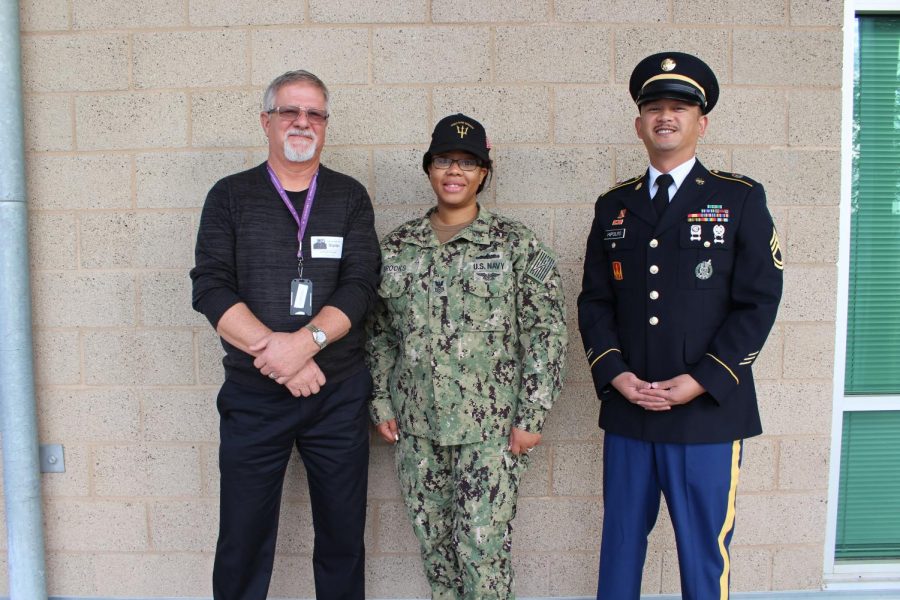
(287, 262)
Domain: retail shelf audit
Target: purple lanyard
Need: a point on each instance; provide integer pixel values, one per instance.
(307, 207)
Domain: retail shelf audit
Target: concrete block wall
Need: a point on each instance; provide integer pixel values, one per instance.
(133, 109)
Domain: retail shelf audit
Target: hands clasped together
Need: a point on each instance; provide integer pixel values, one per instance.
(658, 395)
(287, 358)
(520, 441)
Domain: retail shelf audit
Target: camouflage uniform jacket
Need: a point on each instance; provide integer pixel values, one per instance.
(468, 337)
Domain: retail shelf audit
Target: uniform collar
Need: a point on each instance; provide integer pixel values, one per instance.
(477, 232)
(679, 174)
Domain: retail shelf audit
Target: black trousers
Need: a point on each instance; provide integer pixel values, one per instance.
(258, 431)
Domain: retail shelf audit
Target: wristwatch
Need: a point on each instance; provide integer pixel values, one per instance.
(318, 335)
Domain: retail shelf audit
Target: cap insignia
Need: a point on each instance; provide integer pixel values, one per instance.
(462, 128)
(667, 65)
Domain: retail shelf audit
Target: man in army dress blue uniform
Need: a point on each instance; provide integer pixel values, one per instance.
(682, 280)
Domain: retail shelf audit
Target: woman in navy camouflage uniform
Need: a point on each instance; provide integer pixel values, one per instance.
(467, 352)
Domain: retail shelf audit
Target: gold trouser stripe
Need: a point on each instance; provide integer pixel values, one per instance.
(594, 362)
(728, 525)
(726, 367)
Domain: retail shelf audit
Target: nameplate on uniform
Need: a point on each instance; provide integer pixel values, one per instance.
(614, 234)
(488, 266)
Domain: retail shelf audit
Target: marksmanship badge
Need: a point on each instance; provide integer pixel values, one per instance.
(704, 269)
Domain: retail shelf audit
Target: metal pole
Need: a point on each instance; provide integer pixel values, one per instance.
(21, 469)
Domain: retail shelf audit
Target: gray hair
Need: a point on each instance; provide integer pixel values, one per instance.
(291, 77)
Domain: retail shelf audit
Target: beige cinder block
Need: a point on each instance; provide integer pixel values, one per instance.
(48, 123)
(795, 177)
(138, 357)
(615, 11)
(214, 13)
(402, 116)
(766, 12)
(570, 53)
(70, 63)
(336, 55)
(511, 114)
(176, 59)
(131, 120)
(104, 181)
(767, 57)
(594, 115)
(43, 15)
(112, 14)
(90, 414)
(111, 240)
(146, 470)
(399, 53)
(352, 11)
(83, 299)
(466, 11)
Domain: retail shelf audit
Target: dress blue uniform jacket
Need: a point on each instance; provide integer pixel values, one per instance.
(695, 292)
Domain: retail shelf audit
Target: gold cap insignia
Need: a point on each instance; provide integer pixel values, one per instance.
(462, 128)
(667, 64)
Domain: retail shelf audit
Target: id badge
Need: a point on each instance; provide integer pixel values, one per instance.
(301, 297)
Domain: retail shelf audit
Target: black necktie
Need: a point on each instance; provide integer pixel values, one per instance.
(661, 199)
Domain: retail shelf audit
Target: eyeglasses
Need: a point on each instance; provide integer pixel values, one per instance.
(315, 116)
(466, 164)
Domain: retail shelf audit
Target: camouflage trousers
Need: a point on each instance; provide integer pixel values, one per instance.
(461, 500)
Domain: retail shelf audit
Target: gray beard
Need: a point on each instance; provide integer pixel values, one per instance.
(294, 155)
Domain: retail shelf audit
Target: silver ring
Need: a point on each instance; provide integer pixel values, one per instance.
(273, 376)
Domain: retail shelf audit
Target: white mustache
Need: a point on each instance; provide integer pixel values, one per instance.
(301, 133)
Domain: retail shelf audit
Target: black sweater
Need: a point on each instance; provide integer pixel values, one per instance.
(247, 252)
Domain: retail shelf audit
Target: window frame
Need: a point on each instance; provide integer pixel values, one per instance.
(856, 575)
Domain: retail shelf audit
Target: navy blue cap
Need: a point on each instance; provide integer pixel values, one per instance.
(676, 76)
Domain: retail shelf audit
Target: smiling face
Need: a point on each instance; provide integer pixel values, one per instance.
(297, 140)
(456, 189)
(670, 130)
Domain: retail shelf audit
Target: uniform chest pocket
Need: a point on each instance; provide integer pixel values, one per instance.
(489, 302)
(395, 290)
(705, 257)
(623, 259)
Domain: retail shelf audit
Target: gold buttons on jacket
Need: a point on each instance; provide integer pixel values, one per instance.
(654, 269)
(654, 295)
(654, 321)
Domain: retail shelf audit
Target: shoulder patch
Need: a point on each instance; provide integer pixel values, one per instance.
(622, 184)
(732, 177)
(541, 266)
